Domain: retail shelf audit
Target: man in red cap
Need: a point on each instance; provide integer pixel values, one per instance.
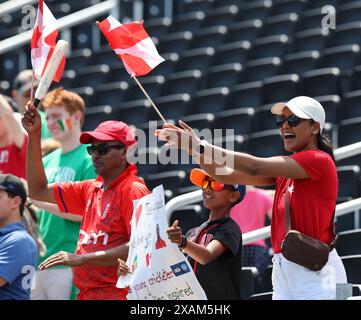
(105, 204)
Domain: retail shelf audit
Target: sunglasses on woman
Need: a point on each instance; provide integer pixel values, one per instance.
(293, 120)
(103, 148)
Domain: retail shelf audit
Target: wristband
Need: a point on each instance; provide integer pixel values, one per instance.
(183, 243)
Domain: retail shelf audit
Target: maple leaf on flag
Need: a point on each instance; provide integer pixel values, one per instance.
(43, 42)
(132, 44)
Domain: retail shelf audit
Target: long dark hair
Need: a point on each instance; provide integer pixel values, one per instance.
(324, 144)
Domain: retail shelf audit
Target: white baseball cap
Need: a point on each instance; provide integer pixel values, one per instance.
(304, 108)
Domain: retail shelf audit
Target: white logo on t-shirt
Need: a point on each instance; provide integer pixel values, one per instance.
(92, 238)
(4, 156)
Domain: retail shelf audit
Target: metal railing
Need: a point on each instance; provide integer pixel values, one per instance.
(263, 233)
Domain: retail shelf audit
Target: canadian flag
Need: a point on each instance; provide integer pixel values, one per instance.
(43, 42)
(132, 44)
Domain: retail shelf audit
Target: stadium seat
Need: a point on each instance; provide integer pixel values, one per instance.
(332, 106)
(110, 93)
(287, 6)
(320, 3)
(79, 59)
(91, 76)
(208, 100)
(133, 112)
(224, 15)
(208, 37)
(344, 57)
(321, 82)
(355, 80)
(280, 88)
(187, 21)
(192, 5)
(300, 62)
(152, 84)
(195, 59)
(226, 75)
(348, 33)
(279, 24)
(87, 94)
(175, 42)
(240, 120)
(349, 181)
(172, 106)
(82, 35)
(232, 142)
(95, 115)
(182, 82)
(264, 119)
(267, 280)
(348, 242)
(167, 66)
(244, 30)
(171, 180)
(258, 9)
(266, 143)
(189, 217)
(351, 106)
(310, 39)
(261, 296)
(310, 19)
(248, 281)
(352, 264)
(145, 158)
(200, 121)
(106, 55)
(259, 69)
(349, 12)
(158, 27)
(234, 52)
(349, 131)
(245, 95)
(271, 46)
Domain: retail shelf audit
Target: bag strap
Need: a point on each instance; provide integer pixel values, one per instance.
(287, 208)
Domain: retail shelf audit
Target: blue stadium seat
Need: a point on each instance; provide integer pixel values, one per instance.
(309, 40)
(187, 22)
(321, 3)
(344, 57)
(259, 69)
(106, 55)
(175, 42)
(249, 281)
(195, 5)
(208, 37)
(352, 265)
(110, 93)
(266, 143)
(311, 19)
(234, 52)
(332, 106)
(232, 142)
(320, 82)
(271, 46)
(287, 6)
(300, 62)
(182, 82)
(82, 35)
(349, 181)
(348, 33)
(258, 9)
(146, 159)
(200, 121)
(132, 112)
(280, 88)
(87, 94)
(262, 296)
(240, 120)
(244, 30)
(224, 15)
(245, 95)
(264, 119)
(95, 115)
(152, 84)
(279, 24)
(79, 58)
(167, 66)
(349, 12)
(208, 100)
(348, 242)
(355, 82)
(91, 76)
(157, 27)
(351, 106)
(195, 59)
(349, 131)
(173, 106)
(224, 75)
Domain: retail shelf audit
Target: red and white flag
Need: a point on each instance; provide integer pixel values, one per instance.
(43, 42)
(132, 44)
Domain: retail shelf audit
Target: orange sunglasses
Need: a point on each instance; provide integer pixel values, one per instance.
(214, 185)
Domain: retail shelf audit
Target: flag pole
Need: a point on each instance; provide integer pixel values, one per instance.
(148, 97)
(32, 87)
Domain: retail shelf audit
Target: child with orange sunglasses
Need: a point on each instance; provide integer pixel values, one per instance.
(214, 249)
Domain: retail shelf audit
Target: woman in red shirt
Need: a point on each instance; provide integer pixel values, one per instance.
(311, 175)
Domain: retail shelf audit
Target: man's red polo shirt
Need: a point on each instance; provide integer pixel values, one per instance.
(106, 224)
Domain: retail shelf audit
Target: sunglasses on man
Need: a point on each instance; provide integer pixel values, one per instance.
(292, 120)
(103, 148)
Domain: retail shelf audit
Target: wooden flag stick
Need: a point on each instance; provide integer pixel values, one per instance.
(150, 100)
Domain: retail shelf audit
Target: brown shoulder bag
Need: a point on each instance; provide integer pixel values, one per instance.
(302, 249)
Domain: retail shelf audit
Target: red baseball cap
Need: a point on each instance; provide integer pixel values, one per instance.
(110, 131)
